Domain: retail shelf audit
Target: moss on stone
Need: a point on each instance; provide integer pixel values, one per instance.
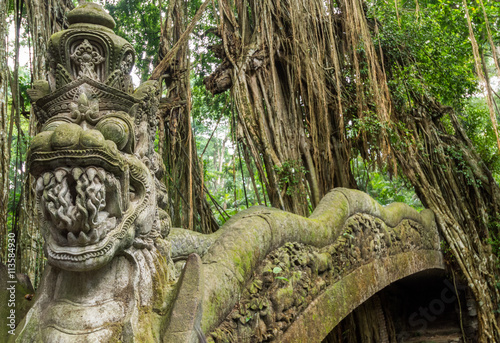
(90, 13)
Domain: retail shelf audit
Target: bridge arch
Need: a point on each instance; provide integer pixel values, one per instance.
(345, 295)
(329, 264)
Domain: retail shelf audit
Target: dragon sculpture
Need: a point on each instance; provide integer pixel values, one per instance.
(97, 187)
(116, 270)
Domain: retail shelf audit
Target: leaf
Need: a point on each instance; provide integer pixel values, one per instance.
(282, 278)
(277, 270)
(345, 234)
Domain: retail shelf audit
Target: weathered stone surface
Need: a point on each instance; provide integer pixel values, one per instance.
(342, 297)
(287, 281)
(91, 13)
(185, 317)
(234, 253)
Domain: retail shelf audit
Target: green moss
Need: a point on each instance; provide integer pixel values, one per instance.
(41, 142)
(66, 136)
(285, 298)
(91, 13)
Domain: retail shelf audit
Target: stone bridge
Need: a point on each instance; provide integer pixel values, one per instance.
(268, 275)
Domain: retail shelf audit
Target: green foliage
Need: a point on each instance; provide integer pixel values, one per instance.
(291, 175)
(223, 171)
(476, 121)
(462, 166)
(429, 52)
(494, 239)
(348, 235)
(17, 170)
(381, 186)
(139, 23)
(276, 271)
(24, 85)
(213, 126)
(207, 108)
(368, 124)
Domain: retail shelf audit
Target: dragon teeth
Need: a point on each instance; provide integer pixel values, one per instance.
(72, 238)
(91, 173)
(39, 184)
(60, 174)
(94, 237)
(101, 174)
(53, 184)
(60, 238)
(103, 234)
(77, 172)
(83, 238)
(46, 178)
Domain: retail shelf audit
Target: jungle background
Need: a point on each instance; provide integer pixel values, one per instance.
(274, 103)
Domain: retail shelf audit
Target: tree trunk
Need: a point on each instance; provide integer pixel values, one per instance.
(44, 19)
(287, 116)
(220, 163)
(4, 137)
(451, 179)
(189, 207)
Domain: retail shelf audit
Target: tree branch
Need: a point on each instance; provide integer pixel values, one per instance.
(160, 68)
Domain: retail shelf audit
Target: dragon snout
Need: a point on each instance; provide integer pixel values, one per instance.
(69, 136)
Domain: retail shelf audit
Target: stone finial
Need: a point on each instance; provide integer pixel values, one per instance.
(89, 49)
(90, 13)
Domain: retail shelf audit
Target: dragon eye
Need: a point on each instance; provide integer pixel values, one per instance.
(116, 130)
(52, 125)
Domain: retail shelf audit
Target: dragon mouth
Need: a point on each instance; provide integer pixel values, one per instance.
(81, 205)
(87, 202)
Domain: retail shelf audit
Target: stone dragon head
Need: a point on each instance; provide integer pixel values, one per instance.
(97, 175)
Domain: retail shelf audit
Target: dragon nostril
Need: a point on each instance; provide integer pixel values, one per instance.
(91, 139)
(65, 136)
(41, 142)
